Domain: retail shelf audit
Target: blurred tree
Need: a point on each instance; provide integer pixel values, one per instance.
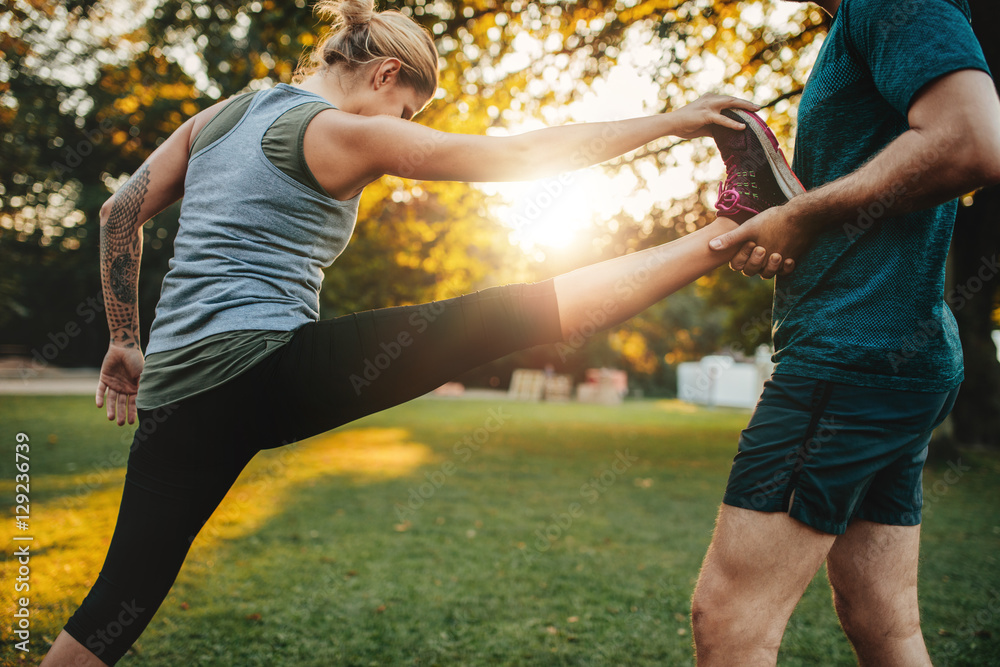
(740, 48)
(85, 96)
(88, 90)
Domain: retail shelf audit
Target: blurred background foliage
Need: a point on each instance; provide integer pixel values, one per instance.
(89, 89)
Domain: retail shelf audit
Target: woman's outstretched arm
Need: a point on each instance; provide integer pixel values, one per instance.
(348, 151)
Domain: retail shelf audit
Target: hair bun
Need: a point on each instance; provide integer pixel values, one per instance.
(359, 36)
(346, 13)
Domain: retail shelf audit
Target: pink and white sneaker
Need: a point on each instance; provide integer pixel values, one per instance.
(757, 175)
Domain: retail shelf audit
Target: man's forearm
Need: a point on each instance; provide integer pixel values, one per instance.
(121, 252)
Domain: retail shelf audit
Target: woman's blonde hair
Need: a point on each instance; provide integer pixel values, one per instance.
(359, 35)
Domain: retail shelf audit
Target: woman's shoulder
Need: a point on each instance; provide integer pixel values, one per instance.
(215, 121)
(336, 146)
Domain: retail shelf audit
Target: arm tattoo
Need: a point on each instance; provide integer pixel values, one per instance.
(121, 249)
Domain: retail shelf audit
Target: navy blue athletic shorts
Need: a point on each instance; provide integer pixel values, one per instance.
(827, 453)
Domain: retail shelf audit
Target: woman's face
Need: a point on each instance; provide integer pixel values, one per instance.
(403, 102)
(384, 94)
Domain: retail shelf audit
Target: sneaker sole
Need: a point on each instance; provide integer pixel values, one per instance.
(783, 174)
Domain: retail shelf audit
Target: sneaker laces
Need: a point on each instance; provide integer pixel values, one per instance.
(729, 197)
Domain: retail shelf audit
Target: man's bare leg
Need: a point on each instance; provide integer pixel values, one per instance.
(755, 571)
(873, 573)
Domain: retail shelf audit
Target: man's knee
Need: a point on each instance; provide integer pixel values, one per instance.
(712, 619)
(724, 633)
(708, 627)
(707, 606)
(717, 616)
(843, 603)
(701, 617)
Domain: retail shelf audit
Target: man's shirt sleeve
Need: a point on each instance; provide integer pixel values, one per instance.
(908, 44)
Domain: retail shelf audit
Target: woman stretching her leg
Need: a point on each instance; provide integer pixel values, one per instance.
(237, 361)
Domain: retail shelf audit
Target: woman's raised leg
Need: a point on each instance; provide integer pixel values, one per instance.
(605, 294)
(336, 371)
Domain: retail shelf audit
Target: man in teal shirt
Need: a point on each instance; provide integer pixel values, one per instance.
(899, 117)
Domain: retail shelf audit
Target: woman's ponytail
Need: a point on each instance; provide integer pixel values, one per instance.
(346, 14)
(359, 35)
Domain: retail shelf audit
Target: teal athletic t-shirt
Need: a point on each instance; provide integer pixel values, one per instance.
(866, 305)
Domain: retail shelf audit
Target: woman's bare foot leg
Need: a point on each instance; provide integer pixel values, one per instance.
(67, 652)
(605, 294)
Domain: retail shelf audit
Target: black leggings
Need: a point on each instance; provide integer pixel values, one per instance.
(185, 457)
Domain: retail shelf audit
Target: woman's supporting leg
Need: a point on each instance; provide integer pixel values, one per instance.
(183, 460)
(68, 652)
(611, 292)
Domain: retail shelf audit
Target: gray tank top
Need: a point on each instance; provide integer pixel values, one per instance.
(252, 242)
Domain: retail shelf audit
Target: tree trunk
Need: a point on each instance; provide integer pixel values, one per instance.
(975, 278)
(974, 282)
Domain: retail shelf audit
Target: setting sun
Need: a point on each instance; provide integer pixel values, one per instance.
(550, 213)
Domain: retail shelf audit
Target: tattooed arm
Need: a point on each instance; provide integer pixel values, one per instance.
(158, 183)
(121, 250)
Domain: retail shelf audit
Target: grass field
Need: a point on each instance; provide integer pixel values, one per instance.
(462, 533)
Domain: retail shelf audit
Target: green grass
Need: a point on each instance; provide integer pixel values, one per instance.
(310, 561)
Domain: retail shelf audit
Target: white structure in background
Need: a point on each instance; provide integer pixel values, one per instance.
(722, 381)
(996, 341)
